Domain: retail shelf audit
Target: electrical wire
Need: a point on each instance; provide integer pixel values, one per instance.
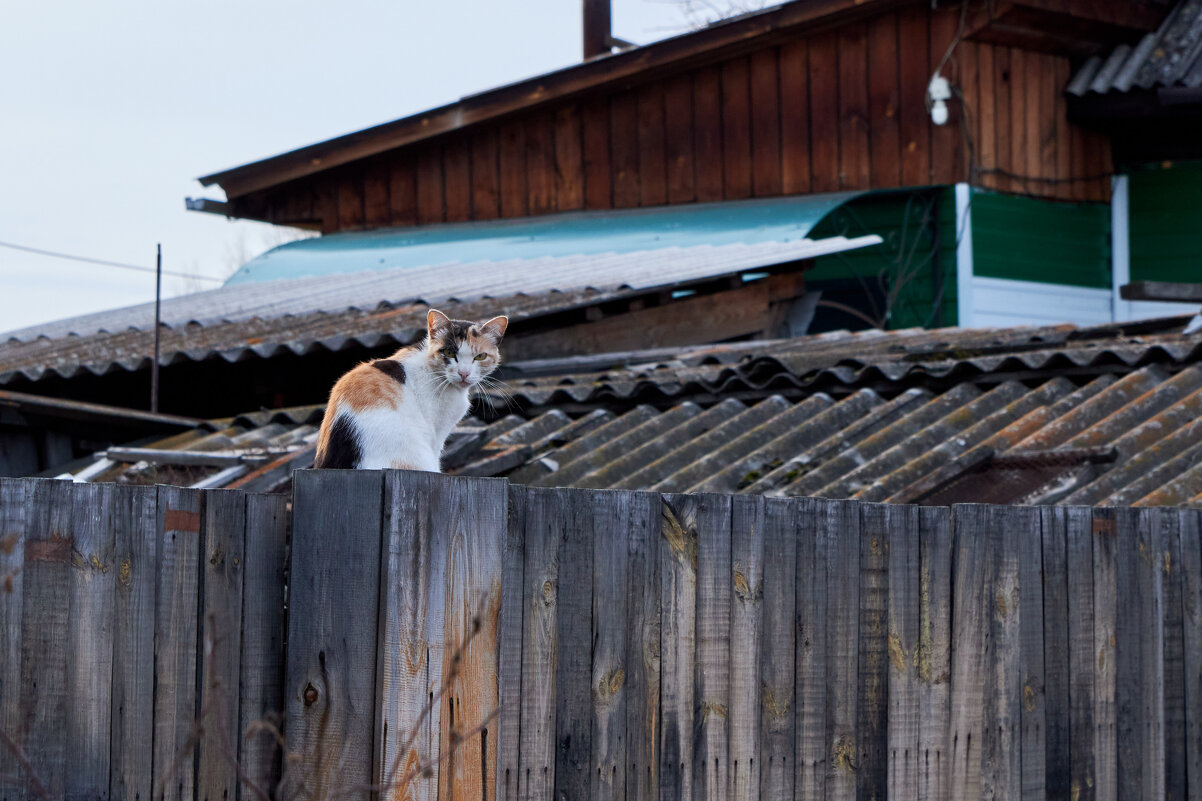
(103, 262)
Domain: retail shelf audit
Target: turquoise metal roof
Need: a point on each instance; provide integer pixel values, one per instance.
(584, 233)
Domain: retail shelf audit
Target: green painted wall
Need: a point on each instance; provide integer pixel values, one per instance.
(1025, 239)
(909, 223)
(1166, 222)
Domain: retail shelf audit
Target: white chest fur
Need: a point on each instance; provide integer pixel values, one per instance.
(412, 434)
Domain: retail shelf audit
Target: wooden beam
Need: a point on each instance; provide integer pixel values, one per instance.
(186, 458)
(757, 307)
(1167, 291)
(1086, 29)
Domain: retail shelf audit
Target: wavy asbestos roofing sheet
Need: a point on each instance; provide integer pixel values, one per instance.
(327, 311)
(834, 361)
(1172, 56)
(1128, 437)
(568, 252)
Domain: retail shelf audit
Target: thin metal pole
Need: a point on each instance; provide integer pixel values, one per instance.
(158, 294)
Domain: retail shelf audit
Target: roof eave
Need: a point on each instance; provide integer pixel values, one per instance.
(712, 42)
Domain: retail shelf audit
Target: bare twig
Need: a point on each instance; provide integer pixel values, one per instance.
(700, 13)
(421, 767)
(390, 778)
(35, 782)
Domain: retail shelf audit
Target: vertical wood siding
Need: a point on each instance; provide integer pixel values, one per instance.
(842, 109)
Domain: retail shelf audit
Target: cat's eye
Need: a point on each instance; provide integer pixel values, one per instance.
(481, 357)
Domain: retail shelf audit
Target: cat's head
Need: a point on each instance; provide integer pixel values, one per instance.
(463, 352)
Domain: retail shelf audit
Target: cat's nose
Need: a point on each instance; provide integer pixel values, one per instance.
(464, 373)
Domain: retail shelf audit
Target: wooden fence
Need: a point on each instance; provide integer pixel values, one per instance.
(110, 598)
(494, 641)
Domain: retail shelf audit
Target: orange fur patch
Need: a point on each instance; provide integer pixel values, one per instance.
(365, 387)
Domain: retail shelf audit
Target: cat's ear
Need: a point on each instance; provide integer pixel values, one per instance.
(494, 329)
(436, 323)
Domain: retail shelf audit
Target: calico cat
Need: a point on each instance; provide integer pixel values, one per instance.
(399, 411)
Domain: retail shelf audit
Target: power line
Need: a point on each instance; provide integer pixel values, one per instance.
(102, 262)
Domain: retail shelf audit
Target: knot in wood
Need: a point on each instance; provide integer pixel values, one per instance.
(310, 695)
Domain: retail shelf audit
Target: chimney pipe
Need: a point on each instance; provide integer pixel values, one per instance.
(596, 28)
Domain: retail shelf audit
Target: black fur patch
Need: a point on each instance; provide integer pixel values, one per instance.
(391, 367)
(451, 337)
(342, 451)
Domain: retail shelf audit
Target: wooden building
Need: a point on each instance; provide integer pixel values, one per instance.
(803, 98)
(808, 97)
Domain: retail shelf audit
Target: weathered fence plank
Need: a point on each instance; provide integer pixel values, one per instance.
(411, 624)
(469, 524)
(905, 600)
(14, 494)
(709, 515)
(1027, 543)
(573, 664)
(1105, 606)
(932, 660)
(642, 683)
(1190, 522)
(1149, 654)
(330, 686)
(971, 625)
(872, 687)
(224, 557)
(1054, 650)
(509, 656)
(1134, 687)
(135, 556)
(842, 531)
(261, 683)
(610, 651)
(177, 642)
(747, 601)
(1169, 563)
(90, 641)
(441, 591)
(545, 521)
(1001, 743)
(45, 626)
(810, 693)
(1082, 656)
(777, 649)
(677, 556)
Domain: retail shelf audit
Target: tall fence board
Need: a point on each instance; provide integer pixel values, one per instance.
(458, 638)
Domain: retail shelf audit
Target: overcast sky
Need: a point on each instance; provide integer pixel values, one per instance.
(109, 111)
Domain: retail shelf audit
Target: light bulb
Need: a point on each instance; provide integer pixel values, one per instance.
(939, 91)
(939, 112)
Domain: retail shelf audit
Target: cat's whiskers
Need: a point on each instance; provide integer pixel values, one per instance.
(496, 387)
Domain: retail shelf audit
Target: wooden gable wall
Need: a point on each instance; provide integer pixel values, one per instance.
(839, 109)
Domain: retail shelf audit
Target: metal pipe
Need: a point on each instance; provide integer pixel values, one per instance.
(597, 28)
(158, 295)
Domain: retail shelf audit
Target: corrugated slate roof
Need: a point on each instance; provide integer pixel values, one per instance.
(834, 362)
(372, 309)
(1129, 435)
(871, 448)
(443, 282)
(1172, 56)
